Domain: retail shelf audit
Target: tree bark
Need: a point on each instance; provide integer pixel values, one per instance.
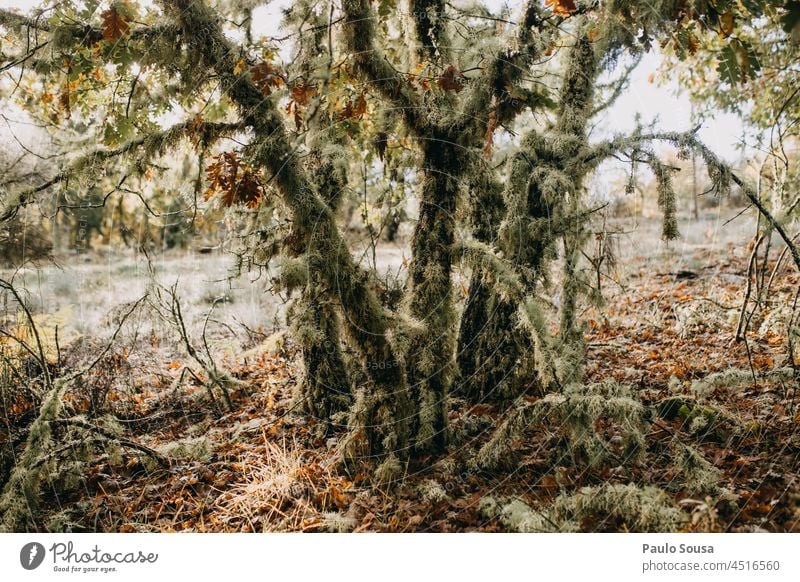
(430, 357)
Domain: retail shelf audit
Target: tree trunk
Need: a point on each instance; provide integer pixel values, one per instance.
(430, 357)
(491, 345)
(326, 389)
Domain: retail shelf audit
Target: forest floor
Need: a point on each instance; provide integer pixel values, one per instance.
(669, 322)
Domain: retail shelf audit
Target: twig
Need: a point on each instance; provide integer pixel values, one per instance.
(162, 460)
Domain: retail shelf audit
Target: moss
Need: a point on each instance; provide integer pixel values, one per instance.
(617, 507)
(335, 522)
(389, 471)
(698, 419)
(386, 424)
(736, 378)
(669, 408)
(518, 516)
(606, 507)
(431, 491)
(697, 474)
(430, 300)
(577, 412)
(197, 449)
(325, 389)
(20, 497)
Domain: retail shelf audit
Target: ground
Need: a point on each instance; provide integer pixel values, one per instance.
(669, 321)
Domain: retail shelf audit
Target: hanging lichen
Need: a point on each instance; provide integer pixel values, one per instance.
(604, 508)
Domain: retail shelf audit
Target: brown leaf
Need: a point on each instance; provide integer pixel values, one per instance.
(562, 7)
(488, 137)
(266, 77)
(234, 181)
(692, 44)
(196, 126)
(302, 93)
(64, 100)
(355, 109)
(416, 76)
(114, 25)
(726, 24)
(451, 80)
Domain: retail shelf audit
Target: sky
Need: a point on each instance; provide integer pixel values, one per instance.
(650, 100)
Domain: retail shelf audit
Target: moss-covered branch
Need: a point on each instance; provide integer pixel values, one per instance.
(150, 146)
(498, 86)
(314, 224)
(429, 21)
(719, 172)
(372, 65)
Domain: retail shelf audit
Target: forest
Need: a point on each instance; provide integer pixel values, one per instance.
(399, 266)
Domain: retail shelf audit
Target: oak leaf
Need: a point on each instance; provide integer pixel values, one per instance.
(267, 77)
(451, 80)
(726, 22)
(562, 7)
(114, 25)
(234, 181)
(355, 108)
(302, 93)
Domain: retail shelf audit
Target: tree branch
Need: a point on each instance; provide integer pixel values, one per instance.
(372, 65)
(318, 235)
(719, 172)
(153, 144)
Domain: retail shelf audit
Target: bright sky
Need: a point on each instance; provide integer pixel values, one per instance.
(649, 100)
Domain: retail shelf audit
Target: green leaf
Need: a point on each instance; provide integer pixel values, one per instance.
(751, 60)
(728, 66)
(117, 132)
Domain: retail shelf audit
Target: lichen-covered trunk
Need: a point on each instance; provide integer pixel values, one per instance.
(430, 355)
(495, 352)
(543, 206)
(326, 387)
(577, 93)
(490, 345)
(489, 339)
(387, 406)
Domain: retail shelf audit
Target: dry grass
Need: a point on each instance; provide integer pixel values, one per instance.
(277, 490)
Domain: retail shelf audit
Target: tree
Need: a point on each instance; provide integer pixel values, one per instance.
(276, 144)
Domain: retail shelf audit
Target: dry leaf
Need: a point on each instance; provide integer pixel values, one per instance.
(562, 7)
(451, 80)
(355, 109)
(114, 25)
(726, 24)
(234, 181)
(266, 77)
(488, 137)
